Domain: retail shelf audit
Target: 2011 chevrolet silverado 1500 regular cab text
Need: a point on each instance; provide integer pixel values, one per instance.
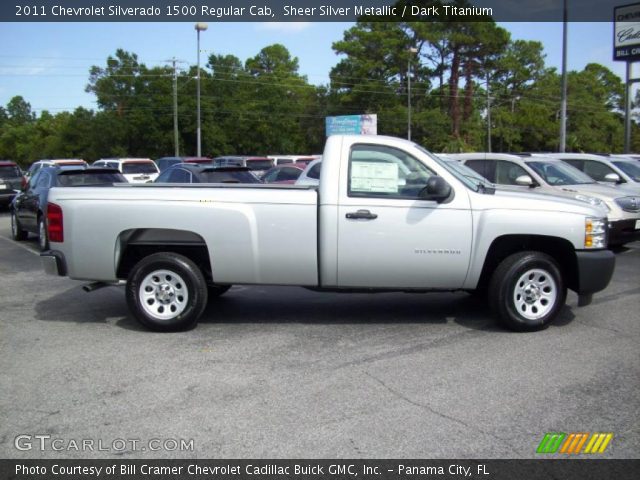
(387, 215)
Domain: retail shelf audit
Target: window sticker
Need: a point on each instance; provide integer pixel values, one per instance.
(374, 177)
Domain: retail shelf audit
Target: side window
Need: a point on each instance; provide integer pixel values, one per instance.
(579, 164)
(314, 172)
(379, 171)
(597, 170)
(507, 172)
(33, 180)
(180, 176)
(43, 180)
(484, 168)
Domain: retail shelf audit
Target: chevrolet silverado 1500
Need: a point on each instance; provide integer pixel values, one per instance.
(387, 215)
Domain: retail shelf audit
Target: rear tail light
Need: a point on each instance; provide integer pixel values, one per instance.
(55, 225)
(23, 182)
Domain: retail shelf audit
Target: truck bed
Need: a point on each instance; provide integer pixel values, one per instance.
(264, 234)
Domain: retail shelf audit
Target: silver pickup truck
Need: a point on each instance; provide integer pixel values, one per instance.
(387, 216)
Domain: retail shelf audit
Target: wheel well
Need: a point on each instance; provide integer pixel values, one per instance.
(136, 244)
(559, 249)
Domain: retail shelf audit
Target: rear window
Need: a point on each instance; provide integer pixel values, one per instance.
(314, 172)
(259, 164)
(8, 171)
(228, 177)
(88, 178)
(139, 167)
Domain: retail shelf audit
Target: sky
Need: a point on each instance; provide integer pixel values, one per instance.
(48, 63)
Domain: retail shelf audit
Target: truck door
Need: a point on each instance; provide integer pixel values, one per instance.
(390, 238)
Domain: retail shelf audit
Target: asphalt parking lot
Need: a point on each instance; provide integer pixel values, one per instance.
(277, 372)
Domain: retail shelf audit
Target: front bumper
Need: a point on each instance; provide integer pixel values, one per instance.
(623, 231)
(595, 269)
(54, 263)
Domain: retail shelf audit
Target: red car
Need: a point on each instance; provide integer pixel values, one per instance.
(287, 173)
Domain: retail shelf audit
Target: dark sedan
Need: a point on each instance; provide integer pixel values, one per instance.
(29, 208)
(193, 173)
(11, 180)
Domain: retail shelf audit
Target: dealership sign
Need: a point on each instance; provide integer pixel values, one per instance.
(352, 125)
(626, 32)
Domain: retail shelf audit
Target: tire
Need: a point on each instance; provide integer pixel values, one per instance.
(43, 240)
(527, 291)
(166, 292)
(16, 230)
(217, 290)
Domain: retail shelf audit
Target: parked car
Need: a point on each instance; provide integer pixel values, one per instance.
(258, 165)
(135, 170)
(546, 174)
(287, 159)
(286, 173)
(165, 162)
(59, 162)
(311, 174)
(370, 226)
(29, 207)
(624, 172)
(11, 181)
(194, 173)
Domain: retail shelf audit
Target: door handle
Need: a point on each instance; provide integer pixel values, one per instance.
(362, 215)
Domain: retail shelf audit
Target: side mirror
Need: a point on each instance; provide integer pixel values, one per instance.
(612, 178)
(437, 189)
(525, 181)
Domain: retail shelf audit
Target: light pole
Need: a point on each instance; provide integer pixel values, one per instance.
(200, 26)
(411, 50)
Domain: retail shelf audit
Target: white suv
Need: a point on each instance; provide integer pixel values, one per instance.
(620, 171)
(135, 170)
(550, 175)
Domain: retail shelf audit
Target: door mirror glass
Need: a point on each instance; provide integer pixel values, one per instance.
(437, 189)
(524, 181)
(612, 177)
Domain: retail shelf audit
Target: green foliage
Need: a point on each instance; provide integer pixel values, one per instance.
(264, 106)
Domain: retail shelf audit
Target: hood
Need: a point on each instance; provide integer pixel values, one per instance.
(539, 201)
(599, 190)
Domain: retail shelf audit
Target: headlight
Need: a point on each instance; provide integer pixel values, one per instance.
(596, 202)
(595, 232)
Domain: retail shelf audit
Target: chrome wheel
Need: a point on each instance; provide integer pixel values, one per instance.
(535, 294)
(14, 225)
(163, 294)
(42, 234)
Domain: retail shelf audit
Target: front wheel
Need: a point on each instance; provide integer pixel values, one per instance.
(527, 291)
(166, 292)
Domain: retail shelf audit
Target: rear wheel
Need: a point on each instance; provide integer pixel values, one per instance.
(43, 240)
(16, 230)
(166, 292)
(527, 291)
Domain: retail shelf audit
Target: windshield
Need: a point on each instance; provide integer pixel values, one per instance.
(228, 177)
(467, 172)
(630, 169)
(139, 167)
(9, 172)
(559, 173)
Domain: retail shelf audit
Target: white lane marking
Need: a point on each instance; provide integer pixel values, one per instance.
(19, 245)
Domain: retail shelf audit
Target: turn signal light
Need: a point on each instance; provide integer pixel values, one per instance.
(55, 224)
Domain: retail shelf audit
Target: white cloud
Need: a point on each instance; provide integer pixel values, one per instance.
(285, 27)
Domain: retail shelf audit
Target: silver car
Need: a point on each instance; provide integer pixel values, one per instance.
(546, 174)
